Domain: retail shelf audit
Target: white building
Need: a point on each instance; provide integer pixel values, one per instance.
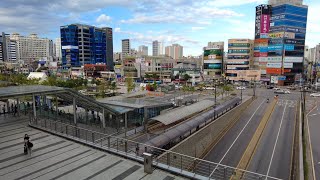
(175, 51)
(31, 48)
(143, 50)
(57, 44)
(126, 46)
(294, 2)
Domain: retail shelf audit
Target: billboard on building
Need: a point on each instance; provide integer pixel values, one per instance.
(264, 23)
(293, 59)
(211, 54)
(278, 35)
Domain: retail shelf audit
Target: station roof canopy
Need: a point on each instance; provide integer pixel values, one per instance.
(13, 91)
(134, 103)
(183, 112)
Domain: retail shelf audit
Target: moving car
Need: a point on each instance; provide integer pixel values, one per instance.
(281, 91)
(276, 88)
(315, 95)
(270, 87)
(241, 87)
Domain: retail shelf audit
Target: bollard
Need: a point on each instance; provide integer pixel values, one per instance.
(147, 163)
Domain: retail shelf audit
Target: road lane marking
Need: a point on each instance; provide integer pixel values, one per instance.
(275, 144)
(237, 138)
(310, 143)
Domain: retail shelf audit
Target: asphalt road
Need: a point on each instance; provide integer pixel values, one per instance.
(314, 125)
(273, 154)
(229, 150)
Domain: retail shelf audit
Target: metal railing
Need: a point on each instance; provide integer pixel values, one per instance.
(179, 163)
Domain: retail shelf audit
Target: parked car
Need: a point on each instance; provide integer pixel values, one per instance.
(209, 88)
(315, 95)
(276, 88)
(270, 87)
(241, 87)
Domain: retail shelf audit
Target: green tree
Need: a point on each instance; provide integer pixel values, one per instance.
(186, 77)
(113, 86)
(130, 84)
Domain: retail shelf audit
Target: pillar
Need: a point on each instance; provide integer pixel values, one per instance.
(103, 119)
(18, 107)
(57, 110)
(125, 124)
(145, 118)
(8, 106)
(34, 107)
(87, 116)
(74, 111)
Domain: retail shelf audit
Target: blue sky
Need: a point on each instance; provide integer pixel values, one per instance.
(191, 23)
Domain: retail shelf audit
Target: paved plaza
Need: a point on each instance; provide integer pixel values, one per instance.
(57, 158)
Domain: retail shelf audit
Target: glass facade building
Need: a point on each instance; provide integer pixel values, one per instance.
(82, 44)
(282, 55)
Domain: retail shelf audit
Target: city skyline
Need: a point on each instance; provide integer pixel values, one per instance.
(145, 23)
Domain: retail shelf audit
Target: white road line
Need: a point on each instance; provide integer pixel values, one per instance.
(275, 144)
(310, 143)
(236, 139)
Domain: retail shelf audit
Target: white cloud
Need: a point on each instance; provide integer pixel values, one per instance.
(103, 18)
(232, 3)
(117, 29)
(197, 28)
(162, 37)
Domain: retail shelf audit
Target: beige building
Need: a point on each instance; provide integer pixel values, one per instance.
(175, 51)
(31, 48)
(239, 59)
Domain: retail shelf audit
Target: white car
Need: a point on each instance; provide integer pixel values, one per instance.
(315, 95)
(209, 88)
(241, 87)
(276, 88)
(287, 92)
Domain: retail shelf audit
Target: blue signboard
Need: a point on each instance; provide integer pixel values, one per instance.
(277, 47)
(264, 49)
(289, 47)
(282, 78)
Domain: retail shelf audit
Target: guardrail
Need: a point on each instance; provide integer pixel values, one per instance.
(187, 166)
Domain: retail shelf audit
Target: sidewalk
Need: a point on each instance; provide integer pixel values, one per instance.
(57, 158)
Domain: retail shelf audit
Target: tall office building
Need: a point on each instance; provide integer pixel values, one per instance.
(109, 48)
(240, 57)
(57, 49)
(143, 50)
(286, 40)
(175, 51)
(8, 48)
(155, 48)
(31, 48)
(126, 46)
(213, 59)
(160, 48)
(83, 44)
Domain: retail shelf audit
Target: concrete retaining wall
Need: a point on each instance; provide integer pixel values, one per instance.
(199, 143)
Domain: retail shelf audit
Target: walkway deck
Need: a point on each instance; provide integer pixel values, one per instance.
(57, 158)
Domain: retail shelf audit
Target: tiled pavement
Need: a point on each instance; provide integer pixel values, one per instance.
(57, 158)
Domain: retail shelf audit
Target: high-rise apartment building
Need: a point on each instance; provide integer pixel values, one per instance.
(84, 44)
(175, 51)
(8, 48)
(126, 46)
(285, 26)
(155, 48)
(143, 50)
(213, 59)
(57, 49)
(240, 57)
(31, 48)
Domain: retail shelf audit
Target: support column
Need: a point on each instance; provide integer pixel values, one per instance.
(74, 112)
(103, 119)
(145, 118)
(18, 107)
(34, 107)
(8, 106)
(87, 116)
(125, 124)
(57, 110)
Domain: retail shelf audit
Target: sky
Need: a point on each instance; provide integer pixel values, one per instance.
(190, 23)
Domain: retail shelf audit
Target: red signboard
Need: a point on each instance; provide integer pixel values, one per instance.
(265, 23)
(260, 54)
(276, 70)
